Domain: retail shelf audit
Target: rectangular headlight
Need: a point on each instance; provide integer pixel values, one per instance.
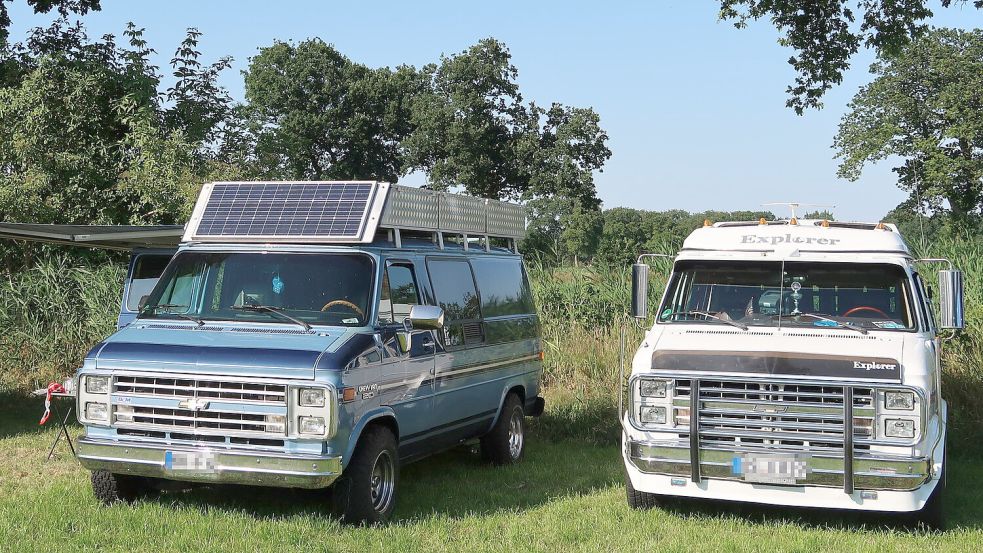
(312, 425)
(96, 411)
(311, 397)
(652, 414)
(898, 400)
(899, 428)
(97, 384)
(648, 387)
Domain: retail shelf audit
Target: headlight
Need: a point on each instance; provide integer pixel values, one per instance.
(651, 388)
(97, 411)
(97, 384)
(312, 425)
(311, 397)
(650, 414)
(902, 401)
(899, 428)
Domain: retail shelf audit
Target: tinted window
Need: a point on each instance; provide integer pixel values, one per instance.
(504, 287)
(454, 287)
(398, 295)
(147, 269)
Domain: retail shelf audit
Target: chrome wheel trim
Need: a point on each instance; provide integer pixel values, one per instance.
(516, 437)
(382, 485)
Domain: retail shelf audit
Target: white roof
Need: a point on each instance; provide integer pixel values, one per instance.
(802, 239)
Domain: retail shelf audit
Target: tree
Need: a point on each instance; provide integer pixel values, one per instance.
(825, 35)
(318, 115)
(925, 107)
(85, 136)
(472, 129)
(582, 232)
(64, 8)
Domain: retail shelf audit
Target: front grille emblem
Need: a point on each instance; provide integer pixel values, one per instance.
(771, 408)
(193, 404)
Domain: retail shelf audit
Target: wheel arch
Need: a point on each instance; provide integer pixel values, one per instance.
(384, 417)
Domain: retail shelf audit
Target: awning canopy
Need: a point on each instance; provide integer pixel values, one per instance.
(112, 237)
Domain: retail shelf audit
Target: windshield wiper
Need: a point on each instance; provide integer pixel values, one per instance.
(153, 309)
(839, 324)
(739, 325)
(274, 311)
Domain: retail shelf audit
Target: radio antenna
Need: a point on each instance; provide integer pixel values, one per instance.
(792, 206)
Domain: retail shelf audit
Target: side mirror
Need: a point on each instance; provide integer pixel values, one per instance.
(424, 317)
(951, 299)
(640, 291)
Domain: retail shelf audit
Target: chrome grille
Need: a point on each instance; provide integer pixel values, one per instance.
(751, 413)
(199, 409)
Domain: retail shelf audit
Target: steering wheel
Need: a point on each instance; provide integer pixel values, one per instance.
(865, 308)
(347, 304)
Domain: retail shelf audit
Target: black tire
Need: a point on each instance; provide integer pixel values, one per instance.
(366, 491)
(110, 488)
(637, 500)
(932, 516)
(506, 442)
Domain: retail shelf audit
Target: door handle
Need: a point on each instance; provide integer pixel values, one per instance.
(428, 342)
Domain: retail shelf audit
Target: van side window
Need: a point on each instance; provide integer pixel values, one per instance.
(398, 294)
(925, 303)
(147, 269)
(504, 287)
(453, 286)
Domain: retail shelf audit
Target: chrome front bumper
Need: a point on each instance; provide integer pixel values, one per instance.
(254, 468)
(870, 472)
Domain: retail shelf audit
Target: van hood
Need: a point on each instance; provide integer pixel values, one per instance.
(226, 350)
(802, 352)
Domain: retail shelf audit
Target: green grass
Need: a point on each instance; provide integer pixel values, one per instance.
(566, 495)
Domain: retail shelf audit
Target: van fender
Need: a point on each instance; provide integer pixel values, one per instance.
(367, 418)
(510, 384)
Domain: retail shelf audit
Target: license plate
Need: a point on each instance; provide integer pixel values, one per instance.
(189, 461)
(772, 469)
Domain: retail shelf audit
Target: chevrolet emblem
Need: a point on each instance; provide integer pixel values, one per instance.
(770, 408)
(193, 404)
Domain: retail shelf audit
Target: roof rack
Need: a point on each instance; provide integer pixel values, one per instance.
(345, 212)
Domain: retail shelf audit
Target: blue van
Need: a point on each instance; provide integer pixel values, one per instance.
(314, 335)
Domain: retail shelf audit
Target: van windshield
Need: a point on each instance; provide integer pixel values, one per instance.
(858, 295)
(316, 288)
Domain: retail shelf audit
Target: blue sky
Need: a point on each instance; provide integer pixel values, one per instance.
(695, 109)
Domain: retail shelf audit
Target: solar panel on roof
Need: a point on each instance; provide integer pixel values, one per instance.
(333, 210)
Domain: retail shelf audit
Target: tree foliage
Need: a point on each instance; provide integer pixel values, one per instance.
(472, 129)
(318, 115)
(87, 137)
(825, 34)
(925, 107)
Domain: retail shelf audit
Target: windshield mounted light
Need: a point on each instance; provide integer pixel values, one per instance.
(97, 384)
(648, 387)
(899, 400)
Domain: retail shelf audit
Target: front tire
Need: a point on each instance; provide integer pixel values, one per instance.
(366, 491)
(932, 515)
(506, 442)
(110, 488)
(640, 501)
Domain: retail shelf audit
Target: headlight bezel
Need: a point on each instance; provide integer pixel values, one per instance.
(296, 411)
(661, 390)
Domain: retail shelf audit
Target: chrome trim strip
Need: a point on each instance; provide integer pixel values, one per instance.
(694, 430)
(848, 439)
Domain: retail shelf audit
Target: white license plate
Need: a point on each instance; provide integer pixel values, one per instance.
(772, 469)
(189, 461)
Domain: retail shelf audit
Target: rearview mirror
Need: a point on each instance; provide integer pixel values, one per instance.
(424, 317)
(951, 299)
(640, 291)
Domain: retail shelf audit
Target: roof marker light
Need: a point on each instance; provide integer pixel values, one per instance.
(793, 221)
(880, 226)
(762, 221)
(825, 223)
(706, 222)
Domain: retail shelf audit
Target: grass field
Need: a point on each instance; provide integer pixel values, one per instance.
(566, 495)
